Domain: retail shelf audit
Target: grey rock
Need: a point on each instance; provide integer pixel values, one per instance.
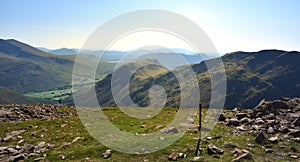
(17, 158)
(222, 117)
(233, 122)
(197, 158)
(294, 132)
(260, 138)
(270, 130)
(245, 120)
(241, 128)
(294, 149)
(273, 139)
(259, 121)
(28, 147)
(241, 115)
(62, 156)
(170, 130)
(212, 149)
(107, 154)
(173, 156)
(229, 145)
(294, 156)
(269, 151)
(296, 122)
(242, 157)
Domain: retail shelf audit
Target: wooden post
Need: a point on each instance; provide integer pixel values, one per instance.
(199, 131)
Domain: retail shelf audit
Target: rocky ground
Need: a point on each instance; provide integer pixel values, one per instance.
(270, 122)
(17, 113)
(32, 112)
(271, 130)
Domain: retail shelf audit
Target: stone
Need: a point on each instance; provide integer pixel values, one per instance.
(236, 109)
(222, 117)
(270, 116)
(233, 122)
(296, 122)
(39, 159)
(239, 116)
(76, 139)
(12, 135)
(173, 156)
(294, 132)
(212, 149)
(297, 139)
(62, 156)
(294, 149)
(107, 154)
(294, 156)
(260, 138)
(259, 121)
(197, 158)
(229, 145)
(17, 158)
(181, 155)
(170, 130)
(242, 157)
(270, 130)
(241, 128)
(281, 156)
(269, 151)
(28, 147)
(245, 120)
(273, 139)
(30, 155)
(236, 151)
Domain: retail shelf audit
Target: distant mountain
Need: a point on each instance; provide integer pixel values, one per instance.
(60, 51)
(251, 76)
(25, 69)
(173, 60)
(8, 96)
(64, 51)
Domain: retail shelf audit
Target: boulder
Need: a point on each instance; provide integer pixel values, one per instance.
(242, 157)
(212, 149)
(107, 154)
(170, 130)
(260, 138)
(233, 122)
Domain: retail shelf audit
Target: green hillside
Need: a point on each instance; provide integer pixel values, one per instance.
(10, 97)
(26, 69)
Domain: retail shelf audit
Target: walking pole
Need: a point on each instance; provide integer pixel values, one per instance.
(199, 130)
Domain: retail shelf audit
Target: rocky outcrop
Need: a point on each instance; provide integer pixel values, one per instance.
(269, 117)
(9, 113)
(17, 153)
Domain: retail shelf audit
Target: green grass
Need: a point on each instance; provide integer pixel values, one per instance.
(88, 147)
(54, 95)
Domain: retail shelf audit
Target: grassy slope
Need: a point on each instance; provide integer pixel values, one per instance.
(27, 69)
(90, 148)
(8, 96)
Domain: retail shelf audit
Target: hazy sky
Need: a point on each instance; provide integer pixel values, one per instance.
(232, 25)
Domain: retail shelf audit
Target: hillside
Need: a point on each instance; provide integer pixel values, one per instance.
(27, 69)
(250, 77)
(10, 97)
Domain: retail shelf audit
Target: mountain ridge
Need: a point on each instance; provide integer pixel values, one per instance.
(251, 77)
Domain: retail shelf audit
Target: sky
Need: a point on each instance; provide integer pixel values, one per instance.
(232, 25)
